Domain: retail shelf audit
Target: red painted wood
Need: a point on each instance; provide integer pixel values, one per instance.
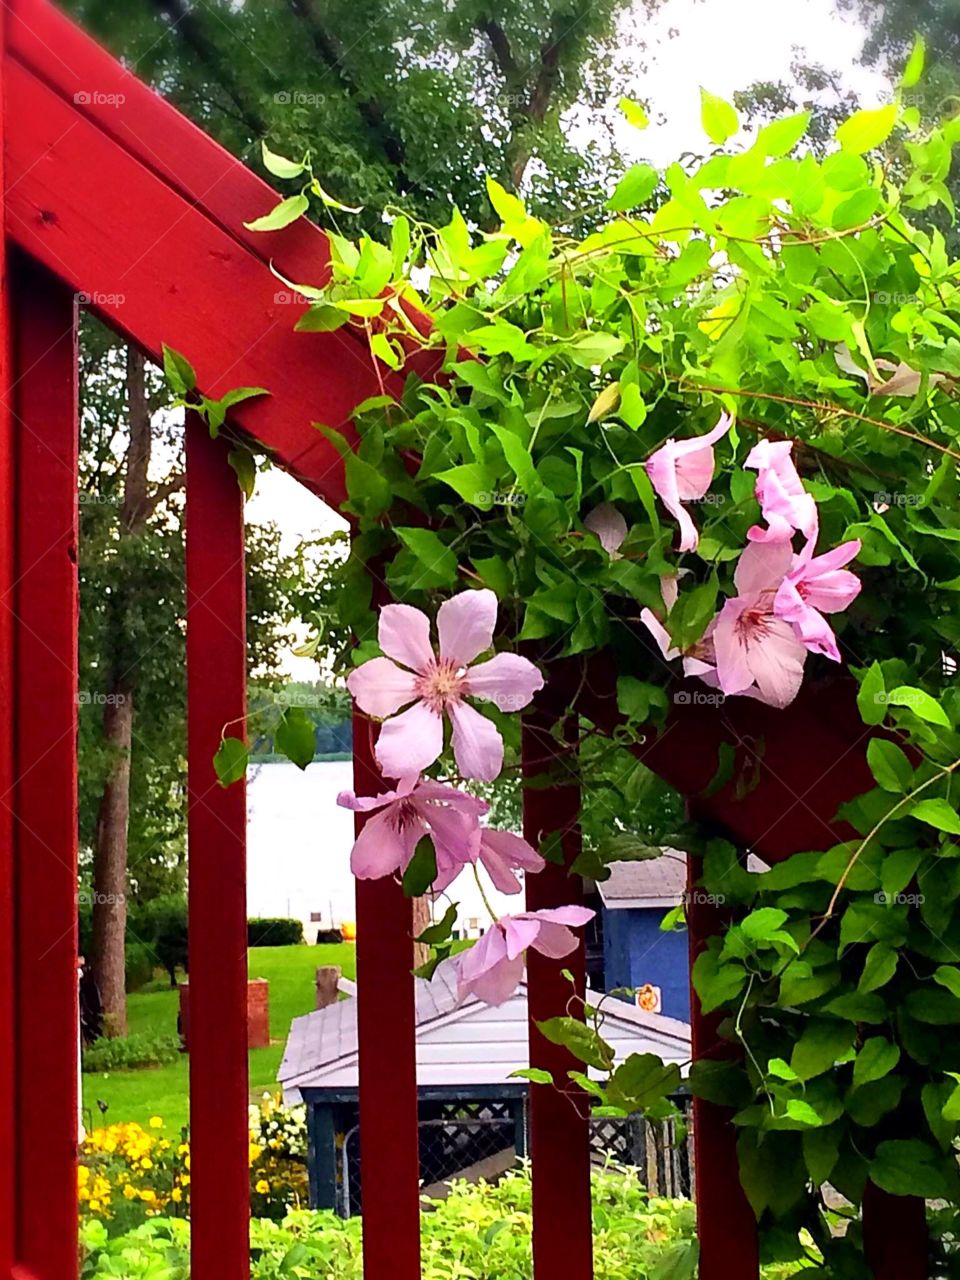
(726, 1225)
(559, 1117)
(386, 1015)
(45, 790)
(176, 277)
(216, 818)
(7, 687)
(894, 1235)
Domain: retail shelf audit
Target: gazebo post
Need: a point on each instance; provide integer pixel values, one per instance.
(44, 712)
(216, 846)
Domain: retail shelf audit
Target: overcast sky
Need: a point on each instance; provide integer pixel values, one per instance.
(723, 45)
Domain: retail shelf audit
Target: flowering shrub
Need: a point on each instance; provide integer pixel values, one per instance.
(129, 1173)
(714, 427)
(129, 1053)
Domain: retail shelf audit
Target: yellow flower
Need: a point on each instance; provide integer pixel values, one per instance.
(262, 1187)
(129, 1193)
(146, 1163)
(156, 1122)
(176, 1195)
(148, 1194)
(94, 1206)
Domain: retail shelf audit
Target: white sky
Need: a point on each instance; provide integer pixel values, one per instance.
(723, 45)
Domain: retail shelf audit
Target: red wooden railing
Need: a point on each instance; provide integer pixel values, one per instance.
(130, 203)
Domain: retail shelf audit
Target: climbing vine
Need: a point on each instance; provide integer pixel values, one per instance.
(716, 435)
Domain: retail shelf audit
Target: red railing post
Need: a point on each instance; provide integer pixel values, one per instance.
(217, 818)
(559, 1116)
(386, 1015)
(45, 608)
(726, 1224)
(895, 1239)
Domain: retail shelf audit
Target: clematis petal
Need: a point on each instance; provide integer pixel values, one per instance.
(507, 680)
(364, 804)
(380, 849)
(486, 972)
(777, 663)
(379, 687)
(477, 744)
(695, 473)
(684, 448)
(456, 835)
(609, 526)
(503, 853)
(733, 668)
(661, 468)
(430, 790)
(832, 591)
(411, 741)
(465, 625)
(555, 941)
(404, 635)
(521, 932)
(659, 633)
(762, 567)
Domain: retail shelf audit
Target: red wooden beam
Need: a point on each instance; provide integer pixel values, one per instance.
(386, 1017)
(894, 1235)
(45, 789)
(726, 1225)
(559, 1116)
(216, 821)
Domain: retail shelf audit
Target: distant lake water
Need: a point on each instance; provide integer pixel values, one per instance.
(298, 849)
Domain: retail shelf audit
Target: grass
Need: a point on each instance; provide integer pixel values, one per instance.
(164, 1091)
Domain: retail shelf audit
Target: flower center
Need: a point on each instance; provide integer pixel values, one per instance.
(441, 684)
(754, 623)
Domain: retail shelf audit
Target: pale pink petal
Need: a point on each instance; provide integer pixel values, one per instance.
(670, 589)
(733, 668)
(777, 663)
(832, 591)
(381, 849)
(762, 567)
(570, 914)
(410, 742)
(685, 447)
(661, 468)
(465, 625)
(817, 634)
(498, 984)
(404, 635)
(830, 560)
(364, 804)
(456, 835)
(379, 687)
(485, 971)
(609, 526)
(507, 680)
(502, 853)
(442, 791)
(660, 634)
(477, 744)
(521, 932)
(694, 473)
(555, 941)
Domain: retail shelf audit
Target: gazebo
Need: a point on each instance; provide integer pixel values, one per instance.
(112, 198)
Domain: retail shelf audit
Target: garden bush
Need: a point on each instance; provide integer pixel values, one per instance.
(130, 1053)
(138, 965)
(270, 931)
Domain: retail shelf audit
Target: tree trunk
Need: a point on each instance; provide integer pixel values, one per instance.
(110, 852)
(110, 866)
(421, 920)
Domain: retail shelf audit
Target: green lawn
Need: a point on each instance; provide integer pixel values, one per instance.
(163, 1091)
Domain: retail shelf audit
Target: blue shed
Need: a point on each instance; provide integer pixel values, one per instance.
(636, 953)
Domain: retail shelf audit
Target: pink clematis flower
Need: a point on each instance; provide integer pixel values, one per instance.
(681, 471)
(502, 854)
(493, 967)
(816, 585)
(438, 685)
(785, 504)
(699, 659)
(403, 817)
(753, 646)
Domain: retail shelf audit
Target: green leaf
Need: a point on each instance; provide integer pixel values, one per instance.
(635, 188)
(331, 201)
(720, 121)
(871, 698)
(281, 215)
(802, 1111)
(437, 563)
(780, 136)
(536, 1075)
(877, 1058)
(889, 766)
(321, 319)
(865, 130)
(906, 1167)
(295, 736)
(915, 63)
(179, 372)
(822, 1042)
(937, 813)
(508, 207)
(230, 762)
(245, 466)
(920, 703)
(605, 403)
(582, 1041)
(421, 869)
(279, 165)
(634, 113)
(949, 976)
(442, 930)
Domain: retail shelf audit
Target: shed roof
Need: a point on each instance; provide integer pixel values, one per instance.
(652, 882)
(458, 1044)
